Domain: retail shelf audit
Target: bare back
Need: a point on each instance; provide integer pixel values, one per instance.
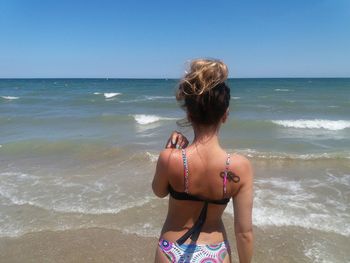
(206, 168)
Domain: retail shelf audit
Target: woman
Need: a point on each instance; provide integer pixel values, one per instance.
(201, 178)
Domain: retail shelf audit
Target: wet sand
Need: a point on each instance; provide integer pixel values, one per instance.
(281, 244)
(83, 245)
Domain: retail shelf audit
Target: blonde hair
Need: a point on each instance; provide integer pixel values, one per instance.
(203, 91)
(204, 74)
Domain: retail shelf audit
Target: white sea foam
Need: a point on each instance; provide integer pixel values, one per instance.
(76, 208)
(9, 98)
(86, 198)
(97, 211)
(333, 125)
(282, 202)
(148, 119)
(148, 98)
(111, 95)
(133, 100)
(14, 226)
(14, 229)
(292, 156)
(142, 229)
(342, 179)
(317, 253)
(282, 90)
(152, 157)
(236, 98)
(108, 95)
(159, 97)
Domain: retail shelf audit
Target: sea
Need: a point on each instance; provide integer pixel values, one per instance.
(81, 153)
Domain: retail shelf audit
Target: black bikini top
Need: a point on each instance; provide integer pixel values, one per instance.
(195, 230)
(185, 196)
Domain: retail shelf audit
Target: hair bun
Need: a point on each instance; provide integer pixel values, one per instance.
(204, 93)
(204, 75)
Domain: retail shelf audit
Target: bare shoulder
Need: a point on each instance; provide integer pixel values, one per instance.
(169, 158)
(242, 167)
(169, 154)
(165, 155)
(163, 173)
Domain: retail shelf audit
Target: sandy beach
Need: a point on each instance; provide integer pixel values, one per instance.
(108, 245)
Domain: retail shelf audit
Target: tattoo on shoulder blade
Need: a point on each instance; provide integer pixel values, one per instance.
(231, 176)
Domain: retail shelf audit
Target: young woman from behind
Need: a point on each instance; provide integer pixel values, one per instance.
(201, 178)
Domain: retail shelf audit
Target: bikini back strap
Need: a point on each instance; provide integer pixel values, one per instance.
(226, 171)
(195, 230)
(184, 159)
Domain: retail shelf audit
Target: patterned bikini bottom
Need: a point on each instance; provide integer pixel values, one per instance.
(186, 253)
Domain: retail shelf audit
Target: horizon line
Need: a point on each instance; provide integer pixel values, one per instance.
(170, 78)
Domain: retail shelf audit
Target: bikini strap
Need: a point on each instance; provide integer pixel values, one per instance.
(196, 229)
(226, 171)
(184, 159)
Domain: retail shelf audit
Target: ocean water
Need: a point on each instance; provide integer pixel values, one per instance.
(79, 153)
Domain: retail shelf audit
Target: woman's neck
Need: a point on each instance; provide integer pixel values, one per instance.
(205, 136)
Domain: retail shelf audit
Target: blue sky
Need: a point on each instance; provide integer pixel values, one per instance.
(154, 39)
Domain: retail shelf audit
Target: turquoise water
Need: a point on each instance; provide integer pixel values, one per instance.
(282, 116)
(71, 151)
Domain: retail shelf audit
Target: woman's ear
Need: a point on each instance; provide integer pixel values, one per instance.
(224, 118)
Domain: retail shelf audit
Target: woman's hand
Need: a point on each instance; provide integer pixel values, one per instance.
(177, 140)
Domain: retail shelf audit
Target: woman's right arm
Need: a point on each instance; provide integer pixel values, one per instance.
(160, 181)
(243, 205)
(177, 140)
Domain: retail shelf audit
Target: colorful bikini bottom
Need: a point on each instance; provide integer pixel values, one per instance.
(187, 253)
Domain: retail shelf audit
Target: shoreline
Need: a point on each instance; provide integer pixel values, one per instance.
(82, 245)
(96, 244)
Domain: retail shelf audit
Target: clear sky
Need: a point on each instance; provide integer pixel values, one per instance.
(261, 38)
